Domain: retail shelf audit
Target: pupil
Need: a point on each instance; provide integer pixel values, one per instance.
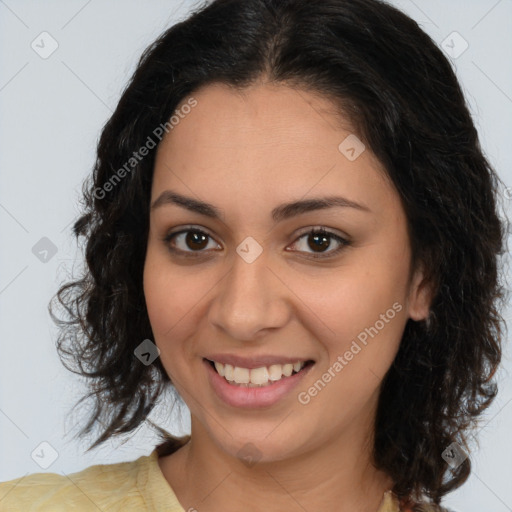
(323, 239)
(194, 237)
(197, 240)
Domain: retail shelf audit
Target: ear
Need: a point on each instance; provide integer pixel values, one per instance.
(420, 295)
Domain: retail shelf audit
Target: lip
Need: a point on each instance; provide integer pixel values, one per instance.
(253, 398)
(253, 362)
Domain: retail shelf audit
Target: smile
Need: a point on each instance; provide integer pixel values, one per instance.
(255, 388)
(257, 377)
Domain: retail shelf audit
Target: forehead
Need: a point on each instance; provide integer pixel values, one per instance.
(267, 141)
(260, 114)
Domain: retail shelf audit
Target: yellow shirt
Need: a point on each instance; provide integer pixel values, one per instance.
(138, 485)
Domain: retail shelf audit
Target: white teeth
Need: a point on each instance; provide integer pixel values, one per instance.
(228, 372)
(259, 375)
(256, 377)
(287, 369)
(241, 375)
(220, 368)
(275, 371)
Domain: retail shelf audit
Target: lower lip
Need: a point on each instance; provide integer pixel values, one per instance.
(253, 398)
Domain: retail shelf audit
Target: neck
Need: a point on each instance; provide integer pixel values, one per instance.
(205, 478)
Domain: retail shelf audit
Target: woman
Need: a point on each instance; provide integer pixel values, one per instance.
(291, 222)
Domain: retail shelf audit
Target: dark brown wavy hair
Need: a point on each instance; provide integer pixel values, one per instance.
(404, 101)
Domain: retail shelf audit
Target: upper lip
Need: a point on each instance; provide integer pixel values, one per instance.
(254, 362)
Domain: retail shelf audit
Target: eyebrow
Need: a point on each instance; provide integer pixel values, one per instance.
(281, 212)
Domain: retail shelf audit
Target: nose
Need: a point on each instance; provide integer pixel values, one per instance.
(250, 300)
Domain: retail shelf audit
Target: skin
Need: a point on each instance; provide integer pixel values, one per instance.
(246, 153)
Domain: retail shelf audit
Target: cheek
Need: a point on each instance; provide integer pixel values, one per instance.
(175, 300)
(365, 315)
(158, 296)
(164, 304)
(169, 295)
(349, 303)
(163, 311)
(363, 301)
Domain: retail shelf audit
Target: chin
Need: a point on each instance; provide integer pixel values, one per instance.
(259, 449)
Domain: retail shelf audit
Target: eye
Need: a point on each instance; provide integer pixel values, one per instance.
(193, 241)
(192, 238)
(320, 239)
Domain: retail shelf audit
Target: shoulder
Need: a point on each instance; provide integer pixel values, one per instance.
(100, 487)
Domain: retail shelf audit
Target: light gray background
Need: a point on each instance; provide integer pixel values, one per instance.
(52, 111)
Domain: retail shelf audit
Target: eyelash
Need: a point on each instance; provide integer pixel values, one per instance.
(314, 231)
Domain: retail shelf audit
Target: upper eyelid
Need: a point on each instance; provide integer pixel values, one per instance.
(318, 227)
(303, 231)
(186, 228)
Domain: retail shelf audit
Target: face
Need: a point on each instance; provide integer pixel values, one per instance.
(249, 282)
